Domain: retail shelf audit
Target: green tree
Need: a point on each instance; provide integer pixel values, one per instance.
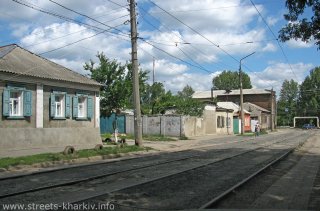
(309, 100)
(228, 80)
(287, 103)
(116, 92)
(186, 105)
(299, 25)
(152, 98)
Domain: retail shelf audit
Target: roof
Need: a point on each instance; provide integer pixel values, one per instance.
(256, 106)
(17, 60)
(207, 94)
(231, 105)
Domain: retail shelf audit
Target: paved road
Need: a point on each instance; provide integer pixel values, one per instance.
(208, 171)
(292, 184)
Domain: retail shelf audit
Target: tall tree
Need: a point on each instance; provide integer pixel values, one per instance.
(116, 79)
(299, 25)
(228, 80)
(309, 100)
(152, 98)
(186, 105)
(287, 103)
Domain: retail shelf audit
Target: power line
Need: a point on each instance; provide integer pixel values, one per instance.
(100, 30)
(212, 8)
(180, 38)
(69, 44)
(66, 35)
(190, 64)
(216, 45)
(85, 16)
(283, 53)
(195, 31)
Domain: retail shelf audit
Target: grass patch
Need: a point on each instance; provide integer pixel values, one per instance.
(145, 137)
(183, 138)
(49, 157)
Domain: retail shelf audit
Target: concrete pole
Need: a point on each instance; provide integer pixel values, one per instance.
(135, 75)
(241, 95)
(272, 111)
(241, 101)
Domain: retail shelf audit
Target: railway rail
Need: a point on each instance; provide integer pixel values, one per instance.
(187, 158)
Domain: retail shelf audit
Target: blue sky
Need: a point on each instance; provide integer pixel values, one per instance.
(183, 44)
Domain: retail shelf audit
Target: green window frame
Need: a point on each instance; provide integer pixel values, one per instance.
(24, 102)
(60, 102)
(89, 107)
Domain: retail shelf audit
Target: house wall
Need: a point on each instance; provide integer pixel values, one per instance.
(265, 121)
(68, 122)
(25, 137)
(225, 129)
(247, 123)
(210, 120)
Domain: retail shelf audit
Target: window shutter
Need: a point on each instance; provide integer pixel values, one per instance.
(52, 105)
(68, 106)
(27, 103)
(90, 107)
(5, 102)
(75, 107)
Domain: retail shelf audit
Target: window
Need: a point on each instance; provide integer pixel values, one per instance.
(59, 105)
(16, 102)
(82, 108)
(220, 122)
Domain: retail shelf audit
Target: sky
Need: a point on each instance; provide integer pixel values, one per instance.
(188, 41)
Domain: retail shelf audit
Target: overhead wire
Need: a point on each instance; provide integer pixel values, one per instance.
(95, 28)
(180, 38)
(188, 63)
(280, 46)
(195, 31)
(84, 15)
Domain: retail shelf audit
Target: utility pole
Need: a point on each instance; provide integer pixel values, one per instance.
(241, 95)
(272, 110)
(135, 75)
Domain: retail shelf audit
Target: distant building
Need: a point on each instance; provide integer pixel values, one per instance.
(44, 106)
(263, 116)
(236, 116)
(261, 97)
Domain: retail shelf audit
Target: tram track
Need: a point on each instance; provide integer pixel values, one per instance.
(96, 177)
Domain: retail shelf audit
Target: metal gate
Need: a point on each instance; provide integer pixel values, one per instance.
(235, 125)
(107, 124)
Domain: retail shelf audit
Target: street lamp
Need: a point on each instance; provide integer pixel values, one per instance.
(241, 94)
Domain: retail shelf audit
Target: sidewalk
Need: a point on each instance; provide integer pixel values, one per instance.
(179, 145)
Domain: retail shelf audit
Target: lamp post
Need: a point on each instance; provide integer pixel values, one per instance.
(241, 94)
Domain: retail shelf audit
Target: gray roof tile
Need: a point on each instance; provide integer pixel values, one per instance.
(17, 60)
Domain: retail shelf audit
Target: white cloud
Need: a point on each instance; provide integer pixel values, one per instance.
(272, 20)
(275, 74)
(269, 47)
(299, 44)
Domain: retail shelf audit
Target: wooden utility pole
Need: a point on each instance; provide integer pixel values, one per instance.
(135, 75)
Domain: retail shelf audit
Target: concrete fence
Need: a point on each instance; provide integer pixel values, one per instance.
(188, 126)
